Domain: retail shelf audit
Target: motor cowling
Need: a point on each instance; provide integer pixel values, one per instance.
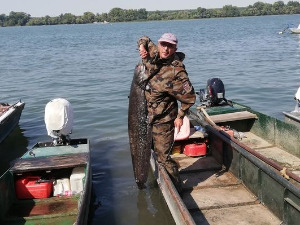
(59, 119)
(215, 91)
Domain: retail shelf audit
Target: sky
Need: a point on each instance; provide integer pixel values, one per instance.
(40, 8)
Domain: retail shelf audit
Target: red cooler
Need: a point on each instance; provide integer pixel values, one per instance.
(30, 187)
(195, 149)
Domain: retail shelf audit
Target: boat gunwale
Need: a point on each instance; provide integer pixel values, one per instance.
(238, 146)
(178, 209)
(10, 110)
(291, 116)
(272, 172)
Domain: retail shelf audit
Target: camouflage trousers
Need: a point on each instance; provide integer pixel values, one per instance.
(163, 138)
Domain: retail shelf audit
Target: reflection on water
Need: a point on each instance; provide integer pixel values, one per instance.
(150, 207)
(13, 147)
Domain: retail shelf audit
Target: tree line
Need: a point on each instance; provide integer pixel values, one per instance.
(127, 15)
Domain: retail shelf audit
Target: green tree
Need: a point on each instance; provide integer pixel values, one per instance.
(17, 19)
(116, 15)
(142, 14)
(230, 11)
(88, 17)
(278, 7)
(67, 18)
(2, 19)
(201, 12)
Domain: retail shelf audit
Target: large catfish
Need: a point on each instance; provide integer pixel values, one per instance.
(139, 130)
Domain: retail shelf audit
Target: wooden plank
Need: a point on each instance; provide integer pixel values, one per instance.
(220, 197)
(248, 214)
(255, 142)
(282, 157)
(52, 162)
(59, 206)
(208, 179)
(272, 152)
(233, 116)
(190, 164)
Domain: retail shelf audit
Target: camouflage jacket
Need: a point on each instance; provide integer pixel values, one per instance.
(169, 85)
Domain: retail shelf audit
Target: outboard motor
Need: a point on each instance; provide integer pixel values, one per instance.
(216, 91)
(297, 98)
(59, 120)
(214, 94)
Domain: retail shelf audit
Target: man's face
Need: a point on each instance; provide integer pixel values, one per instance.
(166, 50)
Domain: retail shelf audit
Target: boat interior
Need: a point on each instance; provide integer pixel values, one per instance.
(227, 184)
(46, 200)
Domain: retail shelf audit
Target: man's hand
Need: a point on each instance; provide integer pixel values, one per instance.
(143, 52)
(178, 123)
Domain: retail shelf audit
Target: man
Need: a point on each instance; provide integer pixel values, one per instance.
(168, 84)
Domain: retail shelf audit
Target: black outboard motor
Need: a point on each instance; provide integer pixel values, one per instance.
(214, 94)
(215, 91)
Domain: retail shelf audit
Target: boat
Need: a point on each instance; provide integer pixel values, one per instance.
(9, 117)
(293, 117)
(295, 30)
(50, 183)
(237, 166)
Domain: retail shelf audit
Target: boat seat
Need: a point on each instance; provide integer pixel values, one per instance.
(243, 115)
(49, 163)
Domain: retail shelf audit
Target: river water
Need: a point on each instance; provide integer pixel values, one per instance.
(92, 66)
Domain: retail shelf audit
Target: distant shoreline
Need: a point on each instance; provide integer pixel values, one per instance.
(137, 15)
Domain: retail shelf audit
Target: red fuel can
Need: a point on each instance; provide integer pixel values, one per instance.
(195, 149)
(31, 187)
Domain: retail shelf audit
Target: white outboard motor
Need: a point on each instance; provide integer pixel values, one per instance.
(297, 98)
(59, 120)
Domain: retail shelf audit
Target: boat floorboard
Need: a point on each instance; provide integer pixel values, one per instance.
(195, 164)
(255, 142)
(218, 197)
(247, 214)
(43, 209)
(208, 179)
(215, 196)
(272, 152)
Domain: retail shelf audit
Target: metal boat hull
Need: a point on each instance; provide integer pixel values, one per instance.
(10, 119)
(53, 162)
(295, 30)
(238, 180)
(292, 117)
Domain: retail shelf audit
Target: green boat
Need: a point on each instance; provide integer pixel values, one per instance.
(51, 183)
(248, 173)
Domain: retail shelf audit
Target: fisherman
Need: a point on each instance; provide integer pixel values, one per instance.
(168, 83)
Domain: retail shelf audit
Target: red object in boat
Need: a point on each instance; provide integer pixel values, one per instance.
(195, 149)
(227, 130)
(31, 187)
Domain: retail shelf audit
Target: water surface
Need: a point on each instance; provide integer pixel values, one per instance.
(92, 66)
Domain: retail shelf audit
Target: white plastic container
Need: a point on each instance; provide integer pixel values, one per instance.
(76, 180)
(62, 187)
